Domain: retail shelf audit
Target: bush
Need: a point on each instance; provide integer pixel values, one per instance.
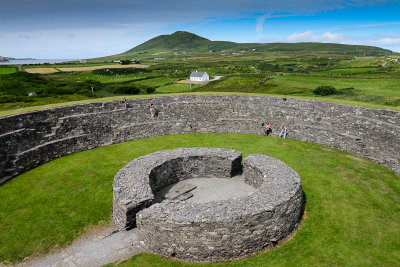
(346, 91)
(119, 71)
(150, 90)
(268, 67)
(325, 90)
(126, 89)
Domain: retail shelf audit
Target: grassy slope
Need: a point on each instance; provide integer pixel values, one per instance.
(286, 84)
(186, 41)
(352, 204)
(291, 83)
(174, 88)
(347, 70)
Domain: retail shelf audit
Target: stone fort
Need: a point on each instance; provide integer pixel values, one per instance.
(261, 218)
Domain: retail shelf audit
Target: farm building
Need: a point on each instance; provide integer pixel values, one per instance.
(198, 76)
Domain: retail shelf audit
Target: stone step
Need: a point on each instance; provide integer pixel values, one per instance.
(176, 191)
(48, 143)
(12, 132)
(183, 197)
(55, 128)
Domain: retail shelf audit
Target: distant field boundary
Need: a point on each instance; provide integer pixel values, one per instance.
(53, 70)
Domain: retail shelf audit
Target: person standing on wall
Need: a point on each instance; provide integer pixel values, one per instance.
(152, 109)
(125, 102)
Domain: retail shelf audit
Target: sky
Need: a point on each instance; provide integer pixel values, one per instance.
(75, 29)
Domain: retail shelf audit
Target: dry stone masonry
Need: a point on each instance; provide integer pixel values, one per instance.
(31, 139)
(215, 230)
(135, 185)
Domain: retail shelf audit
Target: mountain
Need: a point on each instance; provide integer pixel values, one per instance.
(5, 59)
(180, 40)
(188, 42)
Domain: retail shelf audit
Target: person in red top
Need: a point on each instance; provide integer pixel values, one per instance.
(267, 130)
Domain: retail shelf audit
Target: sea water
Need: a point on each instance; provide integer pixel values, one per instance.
(35, 61)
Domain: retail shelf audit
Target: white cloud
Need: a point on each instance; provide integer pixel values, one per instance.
(389, 41)
(368, 26)
(260, 23)
(72, 43)
(310, 36)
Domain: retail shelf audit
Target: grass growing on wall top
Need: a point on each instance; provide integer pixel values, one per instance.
(352, 204)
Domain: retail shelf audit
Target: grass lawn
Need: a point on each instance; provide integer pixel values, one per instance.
(352, 205)
(7, 70)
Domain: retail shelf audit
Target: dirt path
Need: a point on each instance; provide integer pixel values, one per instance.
(94, 249)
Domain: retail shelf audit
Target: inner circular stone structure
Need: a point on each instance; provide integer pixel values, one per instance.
(173, 197)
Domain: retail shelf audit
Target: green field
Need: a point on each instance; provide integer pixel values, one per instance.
(88, 75)
(156, 82)
(347, 71)
(352, 205)
(233, 83)
(384, 91)
(174, 88)
(377, 87)
(7, 70)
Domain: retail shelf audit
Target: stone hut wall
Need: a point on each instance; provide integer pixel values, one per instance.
(30, 139)
(227, 229)
(136, 184)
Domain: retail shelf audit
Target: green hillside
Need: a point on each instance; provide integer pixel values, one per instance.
(177, 40)
(189, 42)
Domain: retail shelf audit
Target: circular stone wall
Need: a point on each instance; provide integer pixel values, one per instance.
(30, 139)
(210, 231)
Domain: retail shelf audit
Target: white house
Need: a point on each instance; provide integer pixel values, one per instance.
(198, 76)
